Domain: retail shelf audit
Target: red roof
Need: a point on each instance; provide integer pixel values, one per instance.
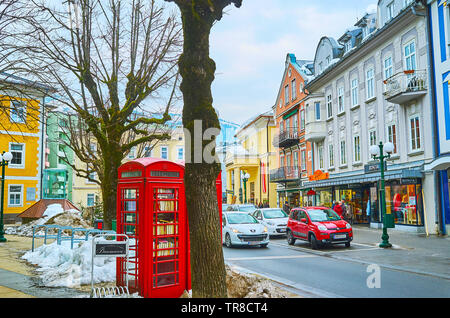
(37, 210)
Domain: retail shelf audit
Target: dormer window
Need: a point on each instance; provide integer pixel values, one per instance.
(365, 31)
(348, 46)
(390, 11)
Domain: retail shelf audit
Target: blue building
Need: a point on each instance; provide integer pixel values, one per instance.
(439, 32)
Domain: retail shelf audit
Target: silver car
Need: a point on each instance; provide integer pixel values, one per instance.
(243, 229)
(274, 219)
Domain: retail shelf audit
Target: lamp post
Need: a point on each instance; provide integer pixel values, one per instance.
(377, 152)
(245, 178)
(6, 157)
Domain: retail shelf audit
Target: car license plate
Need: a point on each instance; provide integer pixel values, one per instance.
(282, 230)
(253, 243)
(341, 236)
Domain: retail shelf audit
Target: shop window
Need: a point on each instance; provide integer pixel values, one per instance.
(405, 203)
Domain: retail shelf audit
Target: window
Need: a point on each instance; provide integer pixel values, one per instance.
(317, 110)
(388, 69)
(294, 89)
(281, 126)
(390, 11)
(341, 107)
(286, 94)
(282, 161)
(331, 155)
(15, 195)
(18, 152)
(17, 112)
(329, 106)
(164, 153)
(90, 200)
(343, 153)
(296, 159)
(410, 56)
(348, 46)
(132, 153)
(355, 92)
(320, 155)
(392, 136)
(301, 87)
(288, 160)
(180, 153)
(370, 83)
(357, 149)
(415, 132)
(303, 159)
(295, 123)
(365, 31)
(372, 138)
(302, 119)
(147, 151)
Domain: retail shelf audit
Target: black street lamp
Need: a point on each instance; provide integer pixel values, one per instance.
(245, 178)
(6, 157)
(377, 152)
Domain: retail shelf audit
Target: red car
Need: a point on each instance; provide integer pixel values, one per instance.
(318, 225)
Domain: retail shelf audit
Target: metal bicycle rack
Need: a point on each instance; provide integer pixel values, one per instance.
(109, 248)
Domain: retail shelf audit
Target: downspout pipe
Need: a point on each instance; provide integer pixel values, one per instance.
(268, 164)
(44, 127)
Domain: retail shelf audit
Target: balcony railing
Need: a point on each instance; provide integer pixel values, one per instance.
(284, 174)
(287, 138)
(406, 86)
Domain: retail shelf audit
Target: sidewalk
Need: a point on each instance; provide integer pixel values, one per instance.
(410, 252)
(17, 279)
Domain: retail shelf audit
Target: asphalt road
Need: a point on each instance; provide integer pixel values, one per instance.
(330, 273)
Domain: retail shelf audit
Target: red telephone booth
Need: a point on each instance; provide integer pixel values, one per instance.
(151, 210)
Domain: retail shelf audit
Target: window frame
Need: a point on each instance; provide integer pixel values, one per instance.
(394, 134)
(294, 89)
(303, 159)
(410, 55)
(167, 152)
(21, 195)
(19, 118)
(330, 156)
(343, 153)
(341, 101)
(23, 152)
(417, 126)
(329, 106)
(370, 83)
(87, 199)
(357, 149)
(354, 92)
(317, 111)
(389, 68)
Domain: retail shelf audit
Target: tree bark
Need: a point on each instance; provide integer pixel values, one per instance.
(197, 69)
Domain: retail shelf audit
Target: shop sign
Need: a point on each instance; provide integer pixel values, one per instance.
(319, 175)
(409, 181)
(374, 167)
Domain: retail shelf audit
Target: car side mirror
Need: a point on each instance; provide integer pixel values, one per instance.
(303, 220)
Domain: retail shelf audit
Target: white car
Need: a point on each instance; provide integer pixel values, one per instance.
(243, 229)
(274, 219)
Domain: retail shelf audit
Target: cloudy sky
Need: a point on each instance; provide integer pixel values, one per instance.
(250, 45)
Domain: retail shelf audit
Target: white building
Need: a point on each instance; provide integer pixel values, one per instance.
(371, 86)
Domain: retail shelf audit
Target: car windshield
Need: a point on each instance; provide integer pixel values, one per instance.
(241, 218)
(274, 214)
(247, 208)
(323, 215)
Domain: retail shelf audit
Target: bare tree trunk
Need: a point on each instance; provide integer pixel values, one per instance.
(197, 70)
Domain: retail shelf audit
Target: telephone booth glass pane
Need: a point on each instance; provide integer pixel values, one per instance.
(166, 236)
(128, 225)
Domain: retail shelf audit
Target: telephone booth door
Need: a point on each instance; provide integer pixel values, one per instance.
(130, 202)
(167, 235)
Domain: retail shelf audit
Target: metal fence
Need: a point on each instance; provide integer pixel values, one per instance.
(59, 236)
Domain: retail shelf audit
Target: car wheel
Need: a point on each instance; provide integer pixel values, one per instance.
(314, 243)
(264, 245)
(347, 244)
(290, 238)
(228, 240)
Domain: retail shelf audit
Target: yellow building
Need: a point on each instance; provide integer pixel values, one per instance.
(255, 156)
(21, 134)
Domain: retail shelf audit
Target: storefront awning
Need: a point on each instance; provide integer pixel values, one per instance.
(442, 163)
(364, 178)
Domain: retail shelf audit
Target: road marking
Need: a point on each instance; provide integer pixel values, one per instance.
(327, 251)
(256, 258)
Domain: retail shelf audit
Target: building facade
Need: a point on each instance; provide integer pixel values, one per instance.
(371, 86)
(439, 26)
(254, 155)
(293, 149)
(21, 133)
(57, 175)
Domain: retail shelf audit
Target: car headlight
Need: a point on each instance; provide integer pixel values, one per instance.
(322, 227)
(348, 226)
(265, 229)
(235, 231)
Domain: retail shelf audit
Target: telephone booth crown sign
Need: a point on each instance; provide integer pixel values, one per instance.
(151, 210)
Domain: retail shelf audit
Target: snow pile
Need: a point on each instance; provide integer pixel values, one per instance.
(54, 214)
(61, 266)
(241, 285)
